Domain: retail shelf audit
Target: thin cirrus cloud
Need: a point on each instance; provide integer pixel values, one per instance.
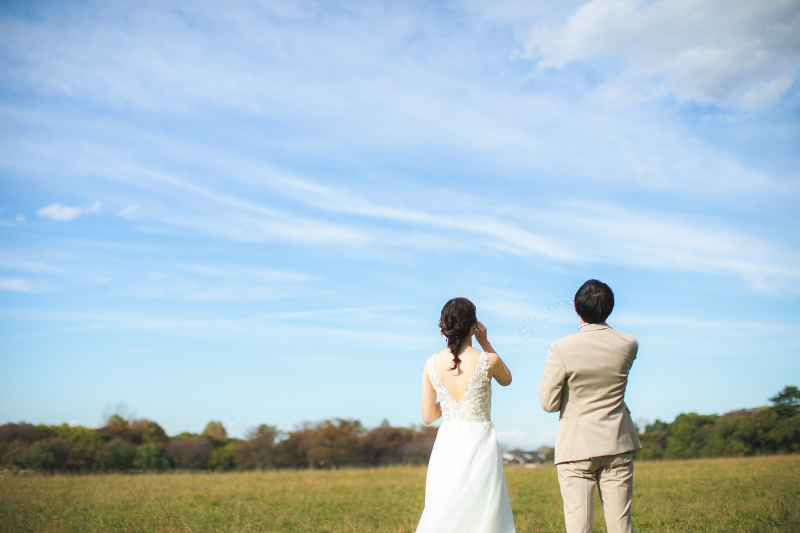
(129, 212)
(15, 284)
(712, 51)
(65, 213)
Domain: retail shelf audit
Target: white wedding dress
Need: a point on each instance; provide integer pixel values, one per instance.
(465, 490)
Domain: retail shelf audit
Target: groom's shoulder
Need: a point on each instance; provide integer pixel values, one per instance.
(601, 330)
(625, 337)
(567, 339)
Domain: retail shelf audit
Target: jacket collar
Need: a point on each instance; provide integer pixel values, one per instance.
(595, 327)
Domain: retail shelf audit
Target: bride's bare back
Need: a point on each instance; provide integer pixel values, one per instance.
(457, 380)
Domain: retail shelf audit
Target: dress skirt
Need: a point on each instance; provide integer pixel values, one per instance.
(465, 489)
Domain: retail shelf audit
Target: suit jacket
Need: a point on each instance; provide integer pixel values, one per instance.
(585, 377)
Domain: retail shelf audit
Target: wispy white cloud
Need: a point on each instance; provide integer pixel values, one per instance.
(602, 232)
(9, 263)
(15, 284)
(249, 273)
(719, 51)
(129, 212)
(705, 325)
(349, 326)
(65, 213)
(59, 212)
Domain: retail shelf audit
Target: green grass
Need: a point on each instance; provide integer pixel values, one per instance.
(718, 495)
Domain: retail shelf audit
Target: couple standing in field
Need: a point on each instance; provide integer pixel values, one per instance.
(584, 378)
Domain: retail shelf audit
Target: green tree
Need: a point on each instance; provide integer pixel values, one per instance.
(548, 451)
(223, 458)
(89, 439)
(117, 454)
(787, 402)
(40, 457)
(687, 435)
(143, 430)
(152, 432)
(151, 456)
(654, 441)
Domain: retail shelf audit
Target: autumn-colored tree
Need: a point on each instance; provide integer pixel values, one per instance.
(384, 444)
(24, 432)
(215, 431)
(257, 451)
(335, 443)
(11, 454)
(418, 450)
(292, 452)
(143, 430)
(118, 428)
(189, 452)
(14, 440)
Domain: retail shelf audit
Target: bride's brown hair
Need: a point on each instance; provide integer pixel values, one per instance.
(458, 317)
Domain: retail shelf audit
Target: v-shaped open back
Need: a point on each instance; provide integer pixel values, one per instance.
(469, 381)
(476, 402)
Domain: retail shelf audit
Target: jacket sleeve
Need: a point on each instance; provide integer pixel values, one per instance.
(552, 380)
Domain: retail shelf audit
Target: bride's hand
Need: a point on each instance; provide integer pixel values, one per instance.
(480, 333)
(480, 336)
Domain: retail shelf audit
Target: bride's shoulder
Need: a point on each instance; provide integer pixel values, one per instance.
(441, 354)
(492, 359)
(430, 361)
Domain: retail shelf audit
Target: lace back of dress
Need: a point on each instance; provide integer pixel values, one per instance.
(476, 404)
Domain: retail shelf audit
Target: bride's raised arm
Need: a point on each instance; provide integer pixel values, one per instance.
(431, 410)
(497, 368)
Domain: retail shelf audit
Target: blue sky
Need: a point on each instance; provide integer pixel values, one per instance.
(254, 213)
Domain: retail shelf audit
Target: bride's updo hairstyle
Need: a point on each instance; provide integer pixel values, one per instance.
(458, 317)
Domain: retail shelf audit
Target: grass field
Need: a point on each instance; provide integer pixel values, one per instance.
(716, 495)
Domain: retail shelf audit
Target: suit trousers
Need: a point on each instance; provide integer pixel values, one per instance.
(613, 475)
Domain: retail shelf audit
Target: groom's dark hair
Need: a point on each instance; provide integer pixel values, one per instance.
(594, 301)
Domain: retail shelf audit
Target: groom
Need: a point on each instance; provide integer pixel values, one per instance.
(585, 378)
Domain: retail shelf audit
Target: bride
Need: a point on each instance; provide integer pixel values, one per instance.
(465, 489)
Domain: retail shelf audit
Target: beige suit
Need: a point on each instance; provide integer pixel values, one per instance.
(584, 378)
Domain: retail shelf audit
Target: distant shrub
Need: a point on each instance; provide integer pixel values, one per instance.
(151, 456)
(117, 454)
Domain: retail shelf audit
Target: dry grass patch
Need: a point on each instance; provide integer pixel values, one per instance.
(719, 495)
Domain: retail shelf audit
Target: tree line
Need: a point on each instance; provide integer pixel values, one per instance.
(124, 445)
(765, 430)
